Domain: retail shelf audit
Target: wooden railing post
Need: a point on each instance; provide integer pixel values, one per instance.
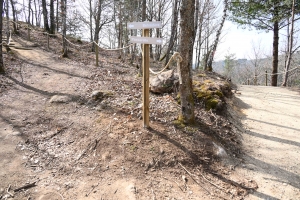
(48, 41)
(97, 54)
(266, 78)
(28, 32)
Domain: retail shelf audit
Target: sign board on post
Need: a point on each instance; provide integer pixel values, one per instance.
(144, 25)
(146, 41)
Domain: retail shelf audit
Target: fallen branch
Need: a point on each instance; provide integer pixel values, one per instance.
(191, 175)
(25, 187)
(93, 187)
(9, 192)
(211, 182)
(90, 147)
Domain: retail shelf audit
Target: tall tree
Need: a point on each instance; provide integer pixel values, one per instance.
(12, 3)
(1, 57)
(174, 24)
(229, 64)
(213, 49)
(99, 18)
(187, 33)
(52, 17)
(64, 26)
(45, 15)
(264, 15)
(29, 11)
(290, 45)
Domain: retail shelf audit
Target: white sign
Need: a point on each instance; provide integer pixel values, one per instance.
(144, 25)
(146, 40)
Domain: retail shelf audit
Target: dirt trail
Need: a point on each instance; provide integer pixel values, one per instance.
(271, 142)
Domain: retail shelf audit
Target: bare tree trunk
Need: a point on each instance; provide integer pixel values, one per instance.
(57, 8)
(32, 18)
(275, 54)
(36, 13)
(64, 24)
(91, 19)
(7, 21)
(186, 50)
(29, 11)
(45, 14)
(214, 47)
(52, 17)
(174, 27)
(290, 47)
(14, 16)
(2, 71)
(97, 21)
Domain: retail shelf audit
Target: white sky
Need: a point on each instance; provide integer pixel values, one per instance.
(240, 42)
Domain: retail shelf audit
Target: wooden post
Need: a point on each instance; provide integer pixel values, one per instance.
(48, 41)
(255, 79)
(97, 54)
(248, 81)
(266, 78)
(146, 64)
(28, 32)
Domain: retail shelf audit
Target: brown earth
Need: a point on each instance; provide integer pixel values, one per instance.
(75, 144)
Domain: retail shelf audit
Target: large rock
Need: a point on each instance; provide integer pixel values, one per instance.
(164, 83)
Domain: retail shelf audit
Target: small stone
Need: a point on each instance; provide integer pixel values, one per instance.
(184, 178)
(16, 133)
(60, 99)
(96, 95)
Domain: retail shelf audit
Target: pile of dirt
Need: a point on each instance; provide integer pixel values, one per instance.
(87, 146)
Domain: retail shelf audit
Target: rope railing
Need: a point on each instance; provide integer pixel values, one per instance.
(9, 40)
(78, 45)
(176, 56)
(114, 49)
(266, 74)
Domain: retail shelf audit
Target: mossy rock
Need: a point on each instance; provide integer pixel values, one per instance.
(211, 103)
(201, 75)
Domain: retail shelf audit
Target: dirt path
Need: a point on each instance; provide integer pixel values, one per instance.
(272, 142)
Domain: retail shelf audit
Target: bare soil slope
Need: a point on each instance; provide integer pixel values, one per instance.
(74, 143)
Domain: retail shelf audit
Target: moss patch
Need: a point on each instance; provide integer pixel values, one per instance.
(207, 92)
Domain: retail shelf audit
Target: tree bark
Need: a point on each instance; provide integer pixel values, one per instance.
(29, 10)
(64, 24)
(2, 71)
(91, 19)
(52, 17)
(214, 47)
(186, 50)
(275, 54)
(45, 15)
(14, 15)
(290, 47)
(174, 25)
